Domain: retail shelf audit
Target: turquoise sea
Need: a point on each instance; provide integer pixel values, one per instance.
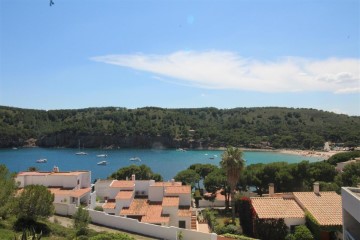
(166, 162)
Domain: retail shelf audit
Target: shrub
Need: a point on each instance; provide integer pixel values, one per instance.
(232, 229)
(302, 233)
(268, 229)
(235, 236)
(99, 208)
(111, 236)
(246, 215)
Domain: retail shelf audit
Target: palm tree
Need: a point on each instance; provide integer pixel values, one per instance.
(233, 164)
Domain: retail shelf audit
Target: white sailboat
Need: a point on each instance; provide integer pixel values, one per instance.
(80, 152)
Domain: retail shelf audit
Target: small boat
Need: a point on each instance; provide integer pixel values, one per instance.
(211, 158)
(102, 163)
(102, 155)
(81, 153)
(180, 150)
(135, 159)
(43, 160)
(14, 148)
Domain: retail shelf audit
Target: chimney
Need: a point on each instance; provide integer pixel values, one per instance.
(172, 181)
(316, 188)
(271, 190)
(133, 177)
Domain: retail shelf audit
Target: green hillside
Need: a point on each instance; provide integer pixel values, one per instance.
(157, 127)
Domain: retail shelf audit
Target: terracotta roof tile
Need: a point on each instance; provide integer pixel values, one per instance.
(325, 207)
(178, 189)
(165, 184)
(150, 212)
(170, 201)
(122, 184)
(137, 207)
(184, 212)
(125, 195)
(269, 207)
(109, 205)
(70, 192)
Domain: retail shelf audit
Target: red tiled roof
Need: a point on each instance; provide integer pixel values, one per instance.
(170, 201)
(178, 189)
(165, 184)
(124, 195)
(270, 207)
(150, 212)
(109, 205)
(325, 207)
(184, 212)
(122, 184)
(70, 192)
(137, 207)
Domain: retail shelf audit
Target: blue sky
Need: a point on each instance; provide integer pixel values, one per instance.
(173, 54)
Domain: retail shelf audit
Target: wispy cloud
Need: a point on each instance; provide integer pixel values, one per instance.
(228, 70)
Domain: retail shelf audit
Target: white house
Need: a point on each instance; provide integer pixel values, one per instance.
(67, 187)
(351, 212)
(161, 203)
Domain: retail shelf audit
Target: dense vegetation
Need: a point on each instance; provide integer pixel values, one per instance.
(156, 127)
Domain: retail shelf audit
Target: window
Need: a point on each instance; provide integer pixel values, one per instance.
(182, 224)
(78, 181)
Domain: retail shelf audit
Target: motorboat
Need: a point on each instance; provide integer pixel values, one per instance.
(42, 160)
(102, 155)
(102, 163)
(135, 159)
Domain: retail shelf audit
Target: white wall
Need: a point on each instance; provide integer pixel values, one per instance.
(102, 188)
(142, 187)
(217, 203)
(156, 193)
(351, 211)
(132, 225)
(294, 221)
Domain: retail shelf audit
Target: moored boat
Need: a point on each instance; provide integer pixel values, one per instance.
(135, 159)
(42, 160)
(102, 163)
(102, 155)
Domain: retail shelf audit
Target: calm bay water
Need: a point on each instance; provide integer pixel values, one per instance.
(166, 162)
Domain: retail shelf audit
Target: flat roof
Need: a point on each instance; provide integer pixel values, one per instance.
(74, 173)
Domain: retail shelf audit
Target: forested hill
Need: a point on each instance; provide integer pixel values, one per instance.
(192, 128)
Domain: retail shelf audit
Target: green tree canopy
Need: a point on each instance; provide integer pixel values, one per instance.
(81, 220)
(33, 202)
(141, 172)
(350, 177)
(188, 177)
(7, 190)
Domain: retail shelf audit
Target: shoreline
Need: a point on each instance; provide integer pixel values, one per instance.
(309, 153)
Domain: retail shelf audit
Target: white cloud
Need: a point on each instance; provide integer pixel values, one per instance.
(348, 90)
(228, 70)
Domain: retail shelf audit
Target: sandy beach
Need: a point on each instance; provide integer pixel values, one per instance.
(319, 154)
